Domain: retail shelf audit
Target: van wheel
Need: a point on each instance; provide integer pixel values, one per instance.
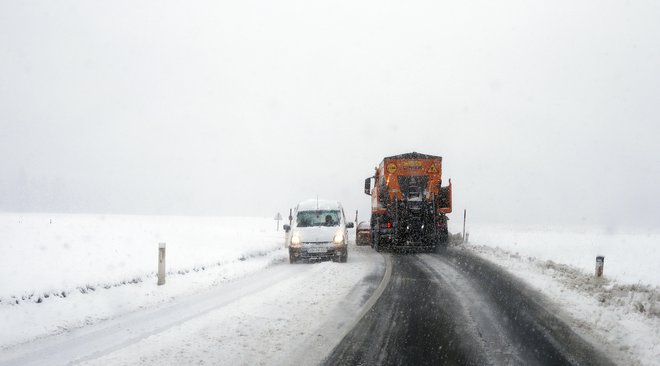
(292, 259)
(343, 258)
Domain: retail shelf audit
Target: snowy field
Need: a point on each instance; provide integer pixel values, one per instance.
(59, 272)
(631, 256)
(43, 254)
(621, 310)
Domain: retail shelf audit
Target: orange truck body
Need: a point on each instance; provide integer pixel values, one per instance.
(407, 198)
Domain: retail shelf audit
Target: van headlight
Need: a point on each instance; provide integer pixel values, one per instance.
(295, 240)
(339, 238)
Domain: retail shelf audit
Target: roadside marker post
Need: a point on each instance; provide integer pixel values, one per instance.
(278, 217)
(600, 264)
(161, 264)
(464, 217)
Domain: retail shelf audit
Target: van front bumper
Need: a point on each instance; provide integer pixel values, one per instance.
(318, 251)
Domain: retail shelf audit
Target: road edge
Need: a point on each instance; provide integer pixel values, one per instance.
(384, 282)
(387, 276)
(550, 315)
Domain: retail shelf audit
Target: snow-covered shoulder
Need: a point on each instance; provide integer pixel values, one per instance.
(619, 310)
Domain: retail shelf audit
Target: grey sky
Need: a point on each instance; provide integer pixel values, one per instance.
(545, 112)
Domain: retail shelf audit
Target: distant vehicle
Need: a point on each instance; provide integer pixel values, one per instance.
(363, 234)
(409, 205)
(318, 231)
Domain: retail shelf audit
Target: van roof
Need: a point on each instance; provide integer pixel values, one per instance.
(314, 204)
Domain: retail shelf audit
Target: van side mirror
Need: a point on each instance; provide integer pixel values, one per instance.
(350, 225)
(367, 186)
(286, 228)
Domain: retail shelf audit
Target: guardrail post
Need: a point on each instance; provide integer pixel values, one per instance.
(161, 264)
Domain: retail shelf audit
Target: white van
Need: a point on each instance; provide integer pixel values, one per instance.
(318, 231)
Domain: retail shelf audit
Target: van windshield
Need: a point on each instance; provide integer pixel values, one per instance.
(317, 218)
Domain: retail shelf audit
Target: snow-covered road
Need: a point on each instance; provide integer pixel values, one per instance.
(455, 308)
(282, 313)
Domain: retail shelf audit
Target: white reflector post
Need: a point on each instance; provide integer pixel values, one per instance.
(161, 264)
(600, 263)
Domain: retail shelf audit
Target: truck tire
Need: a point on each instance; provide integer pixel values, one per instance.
(344, 257)
(292, 259)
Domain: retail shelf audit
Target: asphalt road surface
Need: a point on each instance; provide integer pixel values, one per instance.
(457, 309)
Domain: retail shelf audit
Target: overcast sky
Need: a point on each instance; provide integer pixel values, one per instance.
(544, 112)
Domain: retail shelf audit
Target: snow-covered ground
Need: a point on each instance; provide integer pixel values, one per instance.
(631, 256)
(621, 310)
(59, 272)
(83, 288)
(43, 254)
(298, 320)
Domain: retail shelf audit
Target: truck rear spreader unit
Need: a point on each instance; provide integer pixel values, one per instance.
(409, 203)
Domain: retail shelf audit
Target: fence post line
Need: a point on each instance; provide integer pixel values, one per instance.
(161, 264)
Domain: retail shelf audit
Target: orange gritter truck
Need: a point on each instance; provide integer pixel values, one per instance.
(409, 205)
